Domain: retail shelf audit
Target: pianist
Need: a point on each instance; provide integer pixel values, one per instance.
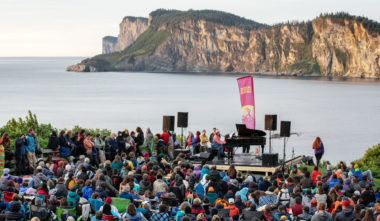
(217, 144)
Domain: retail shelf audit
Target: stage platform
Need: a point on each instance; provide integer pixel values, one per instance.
(249, 162)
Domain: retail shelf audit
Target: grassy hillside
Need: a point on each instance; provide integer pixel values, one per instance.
(172, 17)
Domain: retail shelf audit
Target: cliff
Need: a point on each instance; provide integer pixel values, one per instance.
(202, 41)
(130, 29)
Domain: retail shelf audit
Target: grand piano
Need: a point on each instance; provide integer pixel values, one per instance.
(246, 137)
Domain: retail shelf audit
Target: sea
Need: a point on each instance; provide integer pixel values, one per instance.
(345, 113)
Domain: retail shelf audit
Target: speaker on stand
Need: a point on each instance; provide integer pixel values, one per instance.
(284, 132)
(271, 125)
(168, 123)
(182, 122)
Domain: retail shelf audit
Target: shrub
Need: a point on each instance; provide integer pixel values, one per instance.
(371, 160)
(16, 127)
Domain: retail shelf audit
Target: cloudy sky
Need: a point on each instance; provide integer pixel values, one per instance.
(76, 27)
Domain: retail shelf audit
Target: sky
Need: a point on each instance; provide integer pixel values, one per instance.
(76, 27)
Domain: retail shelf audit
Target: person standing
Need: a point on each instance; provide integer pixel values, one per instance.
(19, 154)
(212, 135)
(149, 139)
(121, 144)
(318, 149)
(30, 148)
(139, 140)
(204, 140)
(112, 145)
(64, 149)
(6, 143)
(100, 147)
(88, 145)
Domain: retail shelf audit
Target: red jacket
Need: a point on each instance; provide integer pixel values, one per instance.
(314, 175)
(233, 210)
(165, 137)
(297, 209)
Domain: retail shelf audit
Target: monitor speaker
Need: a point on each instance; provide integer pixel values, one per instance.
(182, 119)
(285, 129)
(270, 122)
(270, 159)
(204, 156)
(168, 123)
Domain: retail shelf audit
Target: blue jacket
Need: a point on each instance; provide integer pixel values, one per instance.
(333, 182)
(357, 173)
(30, 144)
(204, 171)
(199, 189)
(20, 147)
(277, 216)
(113, 144)
(87, 192)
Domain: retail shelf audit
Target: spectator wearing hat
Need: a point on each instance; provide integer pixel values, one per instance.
(114, 210)
(211, 195)
(347, 213)
(233, 209)
(281, 213)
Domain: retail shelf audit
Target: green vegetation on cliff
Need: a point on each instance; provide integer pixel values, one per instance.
(172, 17)
(340, 17)
(146, 43)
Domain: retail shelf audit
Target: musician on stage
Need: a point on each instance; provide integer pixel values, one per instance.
(218, 144)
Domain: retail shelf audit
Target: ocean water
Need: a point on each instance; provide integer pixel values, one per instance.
(344, 113)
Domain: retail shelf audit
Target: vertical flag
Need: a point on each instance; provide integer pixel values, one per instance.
(247, 99)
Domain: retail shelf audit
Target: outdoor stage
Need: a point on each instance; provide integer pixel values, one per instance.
(249, 162)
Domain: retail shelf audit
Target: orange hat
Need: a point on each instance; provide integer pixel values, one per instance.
(211, 189)
(313, 202)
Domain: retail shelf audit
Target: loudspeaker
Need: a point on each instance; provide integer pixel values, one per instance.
(204, 156)
(285, 129)
(182, 118)
(168, 123)
(270, 159)
(270, 122)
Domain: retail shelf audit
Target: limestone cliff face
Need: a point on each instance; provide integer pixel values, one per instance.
(130, 29)
(346, 49)
(109, 43)
(325, 46)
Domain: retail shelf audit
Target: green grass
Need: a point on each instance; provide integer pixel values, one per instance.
(146, 43)
(323, 171)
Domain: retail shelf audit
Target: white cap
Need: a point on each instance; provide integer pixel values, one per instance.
(231, 201)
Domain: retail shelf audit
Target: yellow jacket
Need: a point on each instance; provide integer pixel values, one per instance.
(204, 138)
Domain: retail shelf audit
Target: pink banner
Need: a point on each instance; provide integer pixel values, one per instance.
(247, 99)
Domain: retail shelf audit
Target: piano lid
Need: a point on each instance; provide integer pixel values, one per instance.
(243, 131)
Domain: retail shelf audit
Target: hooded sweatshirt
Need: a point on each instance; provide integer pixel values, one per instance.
(346, 214)
(322, 216)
